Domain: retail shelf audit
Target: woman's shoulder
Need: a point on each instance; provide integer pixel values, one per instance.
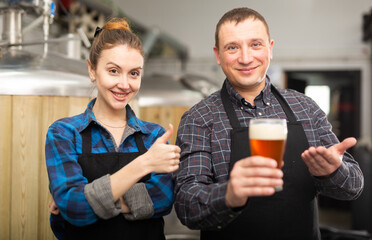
(72, 123)
(150, 127)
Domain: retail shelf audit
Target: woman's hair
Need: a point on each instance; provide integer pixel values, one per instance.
(238, 15)
(115, 32)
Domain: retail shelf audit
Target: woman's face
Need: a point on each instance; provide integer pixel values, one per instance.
(118, 76)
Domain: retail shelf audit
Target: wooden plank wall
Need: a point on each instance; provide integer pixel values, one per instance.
(164, 115)
(26, 157)
(24, 192)
(5, 165)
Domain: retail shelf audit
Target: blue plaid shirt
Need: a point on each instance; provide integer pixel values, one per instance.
(66, 182)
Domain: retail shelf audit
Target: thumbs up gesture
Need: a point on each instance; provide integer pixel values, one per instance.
(163, 157)
(322, 161)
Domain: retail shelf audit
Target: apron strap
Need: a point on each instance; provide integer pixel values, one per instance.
(140, 145)
(285, 106)
(229, 109)
(87, 142)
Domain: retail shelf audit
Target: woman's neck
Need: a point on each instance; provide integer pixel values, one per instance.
(108, 115)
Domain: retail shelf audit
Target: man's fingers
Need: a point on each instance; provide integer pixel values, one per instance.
(257, 161)
(344, 145)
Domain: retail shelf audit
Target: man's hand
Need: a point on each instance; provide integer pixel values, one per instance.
(322, 161)
(252, 176)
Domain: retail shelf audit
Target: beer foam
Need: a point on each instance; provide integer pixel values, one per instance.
(267, 131)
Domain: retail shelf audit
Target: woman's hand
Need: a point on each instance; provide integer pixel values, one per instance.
(124, 206)
(162, 157)
(53, 209)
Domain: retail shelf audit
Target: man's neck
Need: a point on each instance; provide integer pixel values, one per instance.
(250, 94)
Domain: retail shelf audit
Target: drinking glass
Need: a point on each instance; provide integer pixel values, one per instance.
(267, 138)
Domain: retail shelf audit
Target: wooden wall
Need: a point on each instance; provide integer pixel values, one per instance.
(164, 115)
(24, 192)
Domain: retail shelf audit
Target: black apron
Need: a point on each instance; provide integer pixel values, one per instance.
(288, 214)
(97, 165)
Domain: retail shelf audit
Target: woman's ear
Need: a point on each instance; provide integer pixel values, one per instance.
(92, 73)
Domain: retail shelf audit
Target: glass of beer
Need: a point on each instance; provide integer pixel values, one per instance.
(267, 138)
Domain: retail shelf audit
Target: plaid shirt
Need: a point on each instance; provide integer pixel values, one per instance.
(204, 138)
(64, 145)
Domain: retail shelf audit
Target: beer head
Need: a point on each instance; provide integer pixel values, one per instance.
(268, 129)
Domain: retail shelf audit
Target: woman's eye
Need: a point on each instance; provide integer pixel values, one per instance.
(135, 74)
(114, 71)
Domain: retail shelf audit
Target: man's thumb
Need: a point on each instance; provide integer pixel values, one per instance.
(166, 136)
(344, 145)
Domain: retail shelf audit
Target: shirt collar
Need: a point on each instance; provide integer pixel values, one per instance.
(264, 96)
(132, 120)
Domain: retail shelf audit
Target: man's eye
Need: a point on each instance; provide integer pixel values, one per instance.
(232, 48)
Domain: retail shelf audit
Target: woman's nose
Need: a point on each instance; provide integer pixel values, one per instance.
(123, 82)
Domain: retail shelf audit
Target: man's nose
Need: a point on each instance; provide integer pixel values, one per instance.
(245, 56)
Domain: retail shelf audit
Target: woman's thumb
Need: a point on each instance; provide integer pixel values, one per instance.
(166, 136)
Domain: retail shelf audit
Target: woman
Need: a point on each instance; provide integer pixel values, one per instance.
(104, 182)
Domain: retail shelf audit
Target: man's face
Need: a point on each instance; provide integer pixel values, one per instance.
(244, 53)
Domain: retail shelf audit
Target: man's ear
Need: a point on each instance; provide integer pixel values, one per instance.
(271, 49)
(215, 49)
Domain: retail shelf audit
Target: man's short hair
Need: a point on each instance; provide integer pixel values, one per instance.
(237, 15)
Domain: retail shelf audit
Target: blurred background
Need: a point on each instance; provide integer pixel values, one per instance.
(321, 48)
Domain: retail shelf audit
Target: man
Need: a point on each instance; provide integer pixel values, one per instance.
(229, 194)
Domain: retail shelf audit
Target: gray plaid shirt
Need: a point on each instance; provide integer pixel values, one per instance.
(204, 138)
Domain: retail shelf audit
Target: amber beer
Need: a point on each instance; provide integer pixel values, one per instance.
(267, 138)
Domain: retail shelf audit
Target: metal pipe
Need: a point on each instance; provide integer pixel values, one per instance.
(150, 39)
(50, 40)
(12, 25)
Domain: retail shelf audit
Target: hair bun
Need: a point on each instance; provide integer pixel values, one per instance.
(117, 23)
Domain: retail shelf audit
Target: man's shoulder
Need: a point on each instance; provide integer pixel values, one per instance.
(206, 105)
(299, 102)
(293, 95)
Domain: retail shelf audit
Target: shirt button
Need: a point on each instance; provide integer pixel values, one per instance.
(231, 215)
(219, 227)
(259, 113)
(268, 104)
(241, 108)
(245, 103)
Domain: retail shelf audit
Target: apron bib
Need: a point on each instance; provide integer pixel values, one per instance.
(97, 165)
(288, 214)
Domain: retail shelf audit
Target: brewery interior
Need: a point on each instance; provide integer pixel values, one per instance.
(322, 48)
